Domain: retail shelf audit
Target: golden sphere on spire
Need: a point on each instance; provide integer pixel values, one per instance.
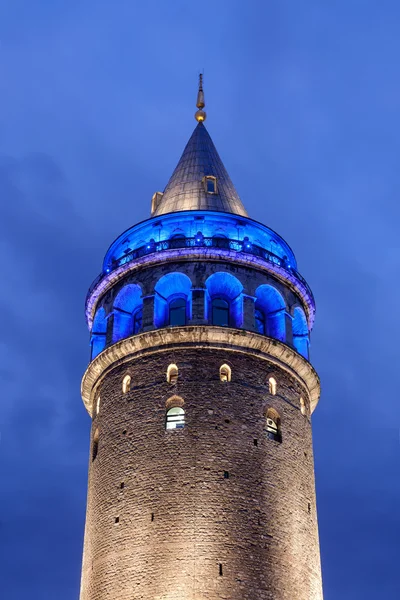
(200, 115)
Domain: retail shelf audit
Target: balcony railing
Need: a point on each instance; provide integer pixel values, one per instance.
(244, 247)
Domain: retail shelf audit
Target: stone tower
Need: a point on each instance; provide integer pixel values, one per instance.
(200, 389)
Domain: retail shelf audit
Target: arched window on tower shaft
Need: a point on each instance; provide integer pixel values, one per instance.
(303, 407)
(175, 418)
(272, 386)
(172, 374)
(126, 384)
(175, 415)
(95, 447)
(273, 425)
(225, 373)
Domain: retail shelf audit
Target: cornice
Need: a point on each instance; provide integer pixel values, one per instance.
(226, 338)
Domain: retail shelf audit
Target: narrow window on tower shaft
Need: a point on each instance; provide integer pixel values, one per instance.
(273, 425)
(126, 384)
(172, 374)
(225, 373)
(95, 448)
(272, 386)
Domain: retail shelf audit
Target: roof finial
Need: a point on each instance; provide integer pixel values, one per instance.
(200, 115)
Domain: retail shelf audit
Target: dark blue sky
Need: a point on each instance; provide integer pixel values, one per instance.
(96, 104)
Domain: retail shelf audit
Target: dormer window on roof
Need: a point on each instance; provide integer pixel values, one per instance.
(210, 184)
(155, 201)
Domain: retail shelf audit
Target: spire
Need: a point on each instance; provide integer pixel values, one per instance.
(200, 180)
(200, 115)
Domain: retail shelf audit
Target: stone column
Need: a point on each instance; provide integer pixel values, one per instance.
(110, 327)
(148, 313)
(288, 329)
(249, 313)
(198, 306)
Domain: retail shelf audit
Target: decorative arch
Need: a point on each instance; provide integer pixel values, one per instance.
(128, 311)
(270, 310)
(172, 300)
(224, 300)
(99, 330)
(174, 401)
(301, 339)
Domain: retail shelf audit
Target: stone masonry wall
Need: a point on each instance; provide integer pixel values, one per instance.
(164, 522)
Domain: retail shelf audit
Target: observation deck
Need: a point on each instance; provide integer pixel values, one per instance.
(208, 235)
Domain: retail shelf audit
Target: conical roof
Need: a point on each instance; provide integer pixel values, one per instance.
(187, 188)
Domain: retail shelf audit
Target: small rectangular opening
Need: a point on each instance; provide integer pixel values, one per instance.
(122, 485)
(152, 516)
(256, 442)
(220, 569)
(309, 508)
(226, 474)
(117, 519)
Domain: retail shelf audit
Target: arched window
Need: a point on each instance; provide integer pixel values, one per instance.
(98, 405)
(220, 312)
(210, 184)
(127, 312)
(98, 334)
(177, 312)
(225, 373)
(172, 300)
(260, 321)
(224, 300)
(272, 386)
(175, 418)
(95, 447)
(303, 407)
(177, 241)
(270, 306)
(273, 425)
(126, 384)
(220, 241)
(172, 374)
(300, 332)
